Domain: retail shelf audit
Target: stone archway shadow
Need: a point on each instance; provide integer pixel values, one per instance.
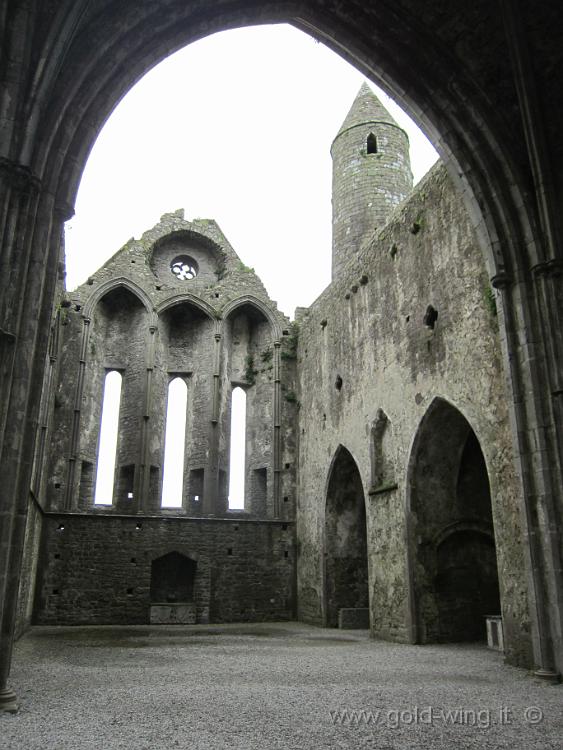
(453, 578)
(345, 554)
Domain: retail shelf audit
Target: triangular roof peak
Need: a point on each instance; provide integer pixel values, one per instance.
(366, 108)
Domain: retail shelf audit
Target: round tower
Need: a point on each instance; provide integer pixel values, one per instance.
(371, 174)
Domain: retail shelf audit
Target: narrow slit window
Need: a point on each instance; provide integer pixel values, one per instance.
(371, 144)
(174, 445)
(237, 459)
(107, 449)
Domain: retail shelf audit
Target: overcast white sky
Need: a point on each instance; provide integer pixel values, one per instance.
(238, 128)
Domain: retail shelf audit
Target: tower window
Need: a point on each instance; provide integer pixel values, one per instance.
(371, 144)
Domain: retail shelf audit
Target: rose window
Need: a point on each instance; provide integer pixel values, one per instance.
(184, 268)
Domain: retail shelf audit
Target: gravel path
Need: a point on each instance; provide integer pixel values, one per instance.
(269, 686)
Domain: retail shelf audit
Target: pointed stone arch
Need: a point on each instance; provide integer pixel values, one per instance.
(190, 299)
(253, 303)
(345, 558)
(450, 532)
(114, 284)
(89, 60)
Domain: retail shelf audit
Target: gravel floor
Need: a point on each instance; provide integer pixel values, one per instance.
(274, 685)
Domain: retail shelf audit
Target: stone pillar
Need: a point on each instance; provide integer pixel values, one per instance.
(141, 490)
(211, 478)
(535, 435)
(30, 232)
(277, 454)
(539, 350)
(72, 480)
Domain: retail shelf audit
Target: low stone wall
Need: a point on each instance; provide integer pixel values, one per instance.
(97, 570)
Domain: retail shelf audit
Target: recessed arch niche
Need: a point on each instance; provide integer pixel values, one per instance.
(451, 534)
(345, 540)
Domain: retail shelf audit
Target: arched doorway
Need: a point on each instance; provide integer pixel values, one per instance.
(345, 545)
(451, 535)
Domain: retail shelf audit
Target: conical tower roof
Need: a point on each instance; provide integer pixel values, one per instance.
(366, 108)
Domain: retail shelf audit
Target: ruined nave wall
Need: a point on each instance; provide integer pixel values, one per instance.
(367, 345)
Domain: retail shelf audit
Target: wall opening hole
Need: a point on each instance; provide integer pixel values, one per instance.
(371, 144)
(338, 383)
(230, 551)
(430, 317)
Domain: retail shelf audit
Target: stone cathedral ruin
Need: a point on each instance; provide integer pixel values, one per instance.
(404, 444)
(379, 480)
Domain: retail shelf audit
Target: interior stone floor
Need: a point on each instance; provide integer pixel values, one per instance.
(275, 685)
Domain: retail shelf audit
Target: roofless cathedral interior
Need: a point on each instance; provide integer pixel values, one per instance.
(401, 438)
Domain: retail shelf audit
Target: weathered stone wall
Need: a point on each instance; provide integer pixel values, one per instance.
(409, 319)
(215, 330)
(365, 347)
(97, 570)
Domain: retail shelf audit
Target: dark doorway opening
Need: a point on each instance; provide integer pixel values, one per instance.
(173, 578)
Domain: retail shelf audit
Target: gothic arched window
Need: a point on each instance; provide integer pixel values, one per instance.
(174, 445)
(107, 446)
(237, 459)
